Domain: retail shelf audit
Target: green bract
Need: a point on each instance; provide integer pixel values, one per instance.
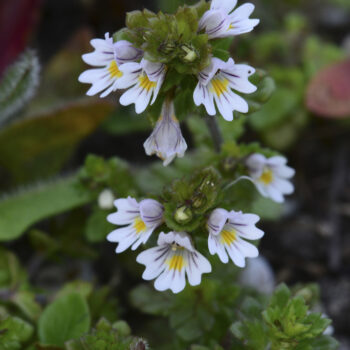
(171, 39)
(188, 200)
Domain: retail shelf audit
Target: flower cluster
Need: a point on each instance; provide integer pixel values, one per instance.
(175, 256)
(153, 59)
(131, 66)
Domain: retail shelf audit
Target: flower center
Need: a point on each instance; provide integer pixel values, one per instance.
(228, 236)
(114, 70)
(139, 225)
(145, 83)
(219, 85)
(176, 262)
(267, 176)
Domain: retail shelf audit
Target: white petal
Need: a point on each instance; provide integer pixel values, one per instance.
(129, 96)
(98, 59)
(151, 212)
(217, 220)
(215, 247)
(215, 22)
(171, 279)
(247, 249)
(277, 160)
(284, 171)
(90, 76)
(166, 238)
(284, 186)
(225, 106)
(256, 161)
(197, 265)
(242, 27)
(99, 86)
(244, 225)
(238, 77)
(183, 240)
(154, 260)
(126, 52)
(227, 5)
(242, 12)
(128, 210)
(274, 194)
(235, 255)
(142, 238)
(201, 95)
(125, 236)
(131, 72)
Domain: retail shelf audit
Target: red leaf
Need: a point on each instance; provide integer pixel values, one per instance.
(17, 18)
(328, 93)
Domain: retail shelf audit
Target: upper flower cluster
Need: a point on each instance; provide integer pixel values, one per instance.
(163, 49)
(175, 256)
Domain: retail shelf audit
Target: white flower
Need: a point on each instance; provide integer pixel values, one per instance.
(271, 176)
(228, 232)
(142, 80)
(259, 275)
(105, 199)
(109, 57)
(171, 260)
(142, 219)
(216, 83)
(220, 22)
(166, 140)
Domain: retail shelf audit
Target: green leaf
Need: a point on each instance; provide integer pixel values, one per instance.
(11, 272)
(25, 301)
(66, 318)
(125, 121)
(18, 85)
(37, 147)
(21, 210)
(267, 209)
(14, 332)
(97, 226)
(325, 342)
(150, 301)
(80, 287)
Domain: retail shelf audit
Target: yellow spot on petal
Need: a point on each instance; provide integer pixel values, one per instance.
(145, 83)
(114, 70)
(219, 86)
(139, 225)
(230, 27)
(227, 237)
(266, 177)
(176, 262)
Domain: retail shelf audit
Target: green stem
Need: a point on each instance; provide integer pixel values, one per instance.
(215, 132)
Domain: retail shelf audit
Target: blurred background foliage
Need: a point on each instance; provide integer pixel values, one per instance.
(61, 285)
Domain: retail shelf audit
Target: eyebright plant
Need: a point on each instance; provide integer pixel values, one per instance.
(158, 61)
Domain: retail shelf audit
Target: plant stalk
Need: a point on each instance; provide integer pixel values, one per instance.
(215, 132)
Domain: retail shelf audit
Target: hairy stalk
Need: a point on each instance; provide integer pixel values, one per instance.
(215, 132)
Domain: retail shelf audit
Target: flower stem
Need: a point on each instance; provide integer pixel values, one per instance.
(215, 132)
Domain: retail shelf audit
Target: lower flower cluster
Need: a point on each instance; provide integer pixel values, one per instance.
(175, 257)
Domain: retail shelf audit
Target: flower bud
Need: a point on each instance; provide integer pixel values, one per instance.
(123, 328)
(106, 199)
(183, 215)
(190, 54)
(199, 200)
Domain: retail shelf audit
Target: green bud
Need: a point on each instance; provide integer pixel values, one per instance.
(229, 163)
(183, 215)
(199, 200)
(122, 327)
(190, 54)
